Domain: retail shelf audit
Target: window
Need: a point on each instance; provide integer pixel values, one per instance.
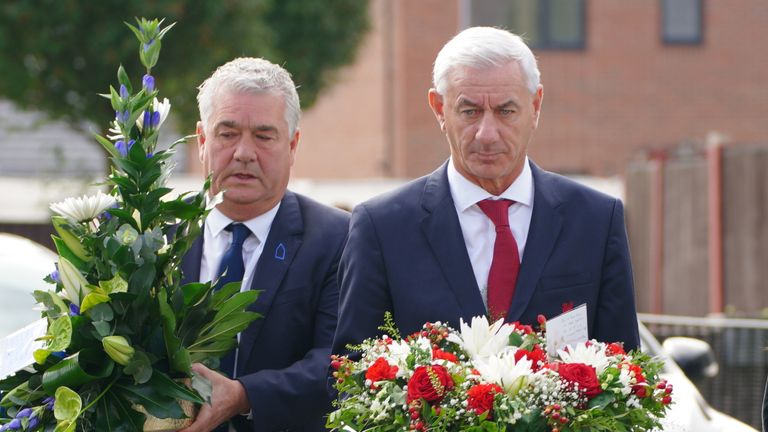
(681, 21)
(544, 24)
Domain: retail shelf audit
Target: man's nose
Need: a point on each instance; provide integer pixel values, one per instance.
(245, 150)
(487, 128)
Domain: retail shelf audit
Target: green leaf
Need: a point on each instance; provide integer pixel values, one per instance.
(101, 312)
(65, 252)
(103, 328)
(178, 357)
(65, 426)
(54, 305)
(139, 367)
(63, 228)
(107, 145)
(122, 78)
(67, 405)
(92, 299)
(116, 415)
(154, 402)
(601, 401)
(83, 367)
(174, 388)
(22, 395)
(194, 292)
(115, 285)
(202, 386)
(142, 279)
(515, 339)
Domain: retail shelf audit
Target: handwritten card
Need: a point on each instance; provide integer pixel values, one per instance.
(568, 328)
(17, 348)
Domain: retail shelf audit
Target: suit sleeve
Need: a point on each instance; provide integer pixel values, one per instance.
(616, 318)
(287, 397)
(364, 292)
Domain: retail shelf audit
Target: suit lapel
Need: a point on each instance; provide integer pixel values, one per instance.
(546, 223)
(283, 241)
(443, 232)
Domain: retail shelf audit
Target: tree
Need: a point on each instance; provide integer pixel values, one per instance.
(56, 55)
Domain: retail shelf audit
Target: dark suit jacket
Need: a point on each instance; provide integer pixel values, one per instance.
(765, 408)
(284, 356)
(406, 254)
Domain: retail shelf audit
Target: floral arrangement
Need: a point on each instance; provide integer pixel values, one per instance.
(122, 332)
(495, 377)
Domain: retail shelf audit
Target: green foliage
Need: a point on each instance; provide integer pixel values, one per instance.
(54, 53)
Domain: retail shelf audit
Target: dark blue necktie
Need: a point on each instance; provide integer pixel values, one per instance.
(232, 264)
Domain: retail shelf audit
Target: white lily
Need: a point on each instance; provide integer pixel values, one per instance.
(85, 208)
(590, 354)
(75, 285)
(503, 370)
(163, 108)
(480, 339)
(398, 352)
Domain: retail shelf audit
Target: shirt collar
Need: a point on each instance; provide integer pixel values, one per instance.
(259, 225)
(466, 194)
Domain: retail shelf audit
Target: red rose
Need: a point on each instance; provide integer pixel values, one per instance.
(380, 370)
(537, 356)
(583, 375)
(430, 383)
(480, 398)
(438, 354)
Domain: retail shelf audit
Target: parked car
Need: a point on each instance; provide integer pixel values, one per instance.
(688, 359)
(23, 265)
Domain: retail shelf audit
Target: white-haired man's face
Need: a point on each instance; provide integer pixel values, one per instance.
(488, 116)
(248, 149)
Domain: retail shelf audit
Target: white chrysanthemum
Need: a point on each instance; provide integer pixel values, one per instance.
(589, 354)
(480, 339)
(625, 378)
(398, 352)
(85, 208)
(503, 370)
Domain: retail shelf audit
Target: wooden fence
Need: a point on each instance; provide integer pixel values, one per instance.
(698, 231)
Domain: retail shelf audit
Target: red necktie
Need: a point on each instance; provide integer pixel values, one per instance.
(506, 259)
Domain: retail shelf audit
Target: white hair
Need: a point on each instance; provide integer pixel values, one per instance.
(249, 74)
(482, 47)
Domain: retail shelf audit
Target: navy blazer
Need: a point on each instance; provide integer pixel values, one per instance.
(284, 356)
(406, 254)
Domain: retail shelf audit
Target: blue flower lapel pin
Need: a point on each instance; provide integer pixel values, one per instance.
(280, 252)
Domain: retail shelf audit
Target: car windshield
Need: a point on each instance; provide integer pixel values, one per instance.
(23, 265)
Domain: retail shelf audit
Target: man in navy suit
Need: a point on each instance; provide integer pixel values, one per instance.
(428, 251)
(290, 248)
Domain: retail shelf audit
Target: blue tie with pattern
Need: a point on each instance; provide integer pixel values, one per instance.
(232, 264)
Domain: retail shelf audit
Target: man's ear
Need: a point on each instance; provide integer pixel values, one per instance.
(294, 144)
(200, 141)
(438, 108)
(538, 99)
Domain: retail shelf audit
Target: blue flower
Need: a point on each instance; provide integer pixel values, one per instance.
(74, 310)
(123, 92)
(49, 401)
(155, 119)
(15, 424)
(123, 148)
(122, 117)
(148, 82)
(34, 422)
(55, 276)
(148, 45)
(26, 412)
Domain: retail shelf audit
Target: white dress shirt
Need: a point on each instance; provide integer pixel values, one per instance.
(216, 241)
(478, 230)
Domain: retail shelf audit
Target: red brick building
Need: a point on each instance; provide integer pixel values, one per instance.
(619, 78)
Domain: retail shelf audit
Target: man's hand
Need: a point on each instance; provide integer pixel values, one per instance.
(228, 399)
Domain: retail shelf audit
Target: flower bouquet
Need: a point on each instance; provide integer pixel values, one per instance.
(495, 377)
(121, 331)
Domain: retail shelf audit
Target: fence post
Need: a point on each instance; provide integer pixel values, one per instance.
(656, 243)
(715, 230)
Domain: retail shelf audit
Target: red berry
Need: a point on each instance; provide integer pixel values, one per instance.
(666, 400)
(336, 364)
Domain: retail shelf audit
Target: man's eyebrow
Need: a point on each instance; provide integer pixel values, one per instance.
(258, 128)
(463, 101)
(508, 104)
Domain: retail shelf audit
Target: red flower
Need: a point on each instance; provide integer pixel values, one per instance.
(639, 386)
(583, 375)
(526, 329)
(614, 349)
(380, 370)
(430, 383)
(567, 306)
(438, 354)
(480, 398)
(537, 356)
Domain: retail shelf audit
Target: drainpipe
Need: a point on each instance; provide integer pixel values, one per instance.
(715, 233)
(656, 244)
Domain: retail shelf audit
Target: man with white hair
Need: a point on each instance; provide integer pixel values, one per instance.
(276, 241)
(488, 232)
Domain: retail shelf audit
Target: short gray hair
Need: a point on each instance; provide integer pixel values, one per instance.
(249, 74)
(480, 47)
